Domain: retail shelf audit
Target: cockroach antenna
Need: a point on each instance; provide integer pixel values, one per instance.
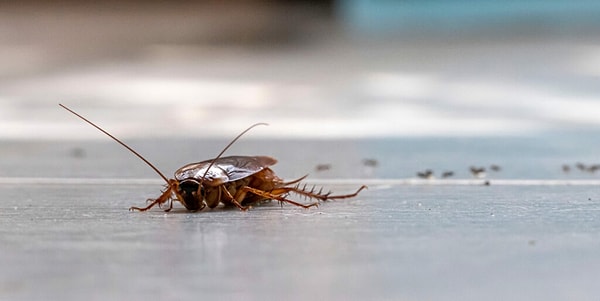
(229, 145)
(118, 141)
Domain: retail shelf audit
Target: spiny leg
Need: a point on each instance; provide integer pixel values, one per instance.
(241, 194)
(233, 199)
(294, 181)
(317, 195)
(345, 196)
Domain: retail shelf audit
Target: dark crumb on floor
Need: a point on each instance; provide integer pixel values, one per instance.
(427, 174)
(77, 152)
(478, 172)
(370, 162)
(447, 174)
(323, 167)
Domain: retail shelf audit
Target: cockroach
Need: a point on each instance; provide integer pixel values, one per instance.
(238, 181)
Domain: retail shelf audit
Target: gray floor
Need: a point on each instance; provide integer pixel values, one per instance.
(70, 242)
(63, 239)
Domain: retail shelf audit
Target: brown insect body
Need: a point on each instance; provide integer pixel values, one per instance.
(201, 186)
(235, 180)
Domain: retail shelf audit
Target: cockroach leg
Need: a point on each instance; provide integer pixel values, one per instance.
(318, 195)
(345, 196)
(230, 199)
(157, 201)
(269, 195)
(240, 206)
(294, 181)
(170, 206)
(164, 197)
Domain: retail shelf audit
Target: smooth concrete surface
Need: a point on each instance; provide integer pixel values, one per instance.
(391, 243)
(73, 241)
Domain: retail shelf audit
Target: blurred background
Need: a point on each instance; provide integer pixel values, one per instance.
(312, 69)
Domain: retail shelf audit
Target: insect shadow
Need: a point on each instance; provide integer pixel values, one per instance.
(239, 181)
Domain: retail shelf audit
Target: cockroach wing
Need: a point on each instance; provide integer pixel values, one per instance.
(225, 169)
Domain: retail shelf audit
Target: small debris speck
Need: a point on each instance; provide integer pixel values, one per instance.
(477, 172)
(427, 174)
(77, 152)
(447, 174)
(370, 162)
(322, 167)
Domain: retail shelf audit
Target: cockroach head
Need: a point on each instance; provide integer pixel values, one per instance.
(192, 194)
